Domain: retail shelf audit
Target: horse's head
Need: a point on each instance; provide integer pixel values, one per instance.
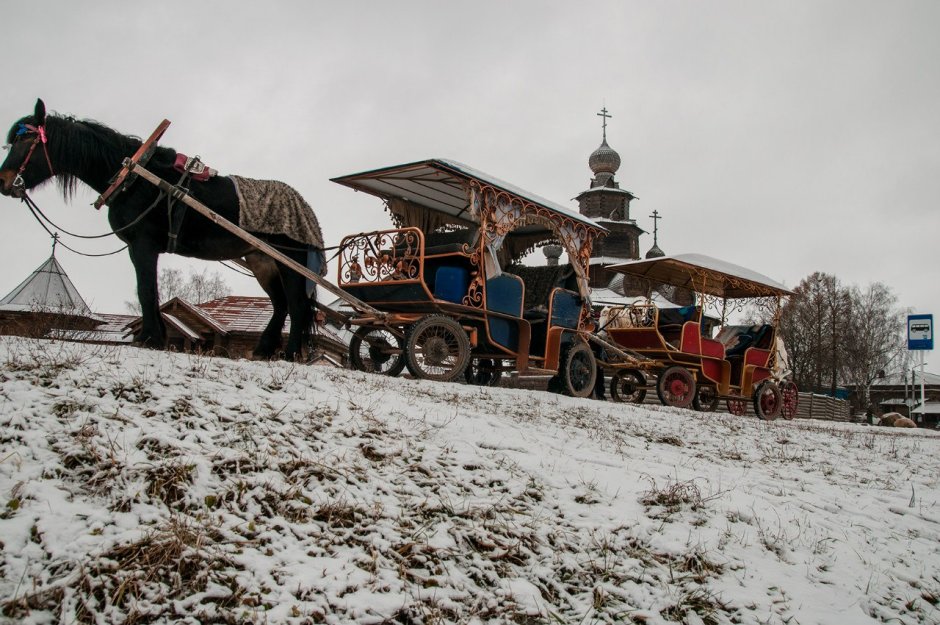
(27, 164)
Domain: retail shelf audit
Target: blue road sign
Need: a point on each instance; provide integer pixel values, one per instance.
(919, 332)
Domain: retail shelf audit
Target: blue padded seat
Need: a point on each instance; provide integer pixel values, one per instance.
(451, 284)
(566, 309)
(504, 294)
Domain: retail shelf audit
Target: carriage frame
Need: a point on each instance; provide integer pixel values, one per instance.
(443, 278)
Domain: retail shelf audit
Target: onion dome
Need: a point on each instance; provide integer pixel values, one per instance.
(604, 159)
(655, 252)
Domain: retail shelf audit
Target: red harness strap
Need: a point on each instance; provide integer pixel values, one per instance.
(40, 138)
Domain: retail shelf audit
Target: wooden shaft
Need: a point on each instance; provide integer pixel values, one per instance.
(628, 358)
(261, 246)
(122, 175)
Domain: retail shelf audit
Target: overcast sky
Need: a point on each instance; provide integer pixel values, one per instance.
(788, 137)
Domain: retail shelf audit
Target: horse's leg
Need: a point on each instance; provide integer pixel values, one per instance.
(152, 331)
(266, 272)
(300, 310)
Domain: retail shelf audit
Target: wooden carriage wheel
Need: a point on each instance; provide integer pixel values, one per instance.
(437, 348)
(484, 372)
(376, 350)
(628, 385)
(577, 372)
(676, 387)
(767, 400)
(791, 399)
(706, 398)
(737, 406)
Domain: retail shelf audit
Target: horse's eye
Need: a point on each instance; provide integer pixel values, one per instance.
(6, 146)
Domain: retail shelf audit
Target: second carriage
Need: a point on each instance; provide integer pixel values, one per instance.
(693, 355)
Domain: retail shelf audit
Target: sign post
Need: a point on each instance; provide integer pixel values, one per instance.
(920, 338)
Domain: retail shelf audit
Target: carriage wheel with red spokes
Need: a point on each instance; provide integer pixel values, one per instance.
(737, 407)
(676, 387)
(791, 399)
(767, 400)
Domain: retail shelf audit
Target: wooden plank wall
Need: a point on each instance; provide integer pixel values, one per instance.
(814, 406)
(811, 406)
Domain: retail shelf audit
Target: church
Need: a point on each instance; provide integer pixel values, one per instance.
(609, 205)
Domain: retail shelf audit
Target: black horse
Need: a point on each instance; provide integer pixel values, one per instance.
(43, 147)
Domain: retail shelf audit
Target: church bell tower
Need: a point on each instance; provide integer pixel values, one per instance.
(609, 205)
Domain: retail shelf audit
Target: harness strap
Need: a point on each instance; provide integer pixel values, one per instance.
(41, 216)
(176, 211)
(40, 132)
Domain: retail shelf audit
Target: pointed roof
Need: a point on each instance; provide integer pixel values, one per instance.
(47, 289)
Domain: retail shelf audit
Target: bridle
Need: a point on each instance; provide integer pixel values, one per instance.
(40, 137)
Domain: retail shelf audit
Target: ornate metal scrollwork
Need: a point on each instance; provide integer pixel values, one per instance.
(767, 308)
(502, 212)
(381, 256)
(474, 296)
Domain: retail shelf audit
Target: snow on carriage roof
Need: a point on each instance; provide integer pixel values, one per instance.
(439, 184)
(701, 273)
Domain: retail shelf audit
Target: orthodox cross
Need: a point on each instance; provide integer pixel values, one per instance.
(603, 114)
(655, 216)
(55, 240)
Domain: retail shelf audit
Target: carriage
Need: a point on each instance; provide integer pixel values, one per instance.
(693, 353)
(456, 301)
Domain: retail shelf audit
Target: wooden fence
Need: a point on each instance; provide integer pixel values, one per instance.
(814, 406)
(811, 406)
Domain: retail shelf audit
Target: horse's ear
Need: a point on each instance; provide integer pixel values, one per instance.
(40, 112)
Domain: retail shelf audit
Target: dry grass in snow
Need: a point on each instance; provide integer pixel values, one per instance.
(144, 487)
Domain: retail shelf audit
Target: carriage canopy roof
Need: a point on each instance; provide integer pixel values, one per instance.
(441, 185)
(704, 274)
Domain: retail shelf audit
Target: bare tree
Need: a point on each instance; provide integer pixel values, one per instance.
(838, 302)
(875, 341)
(842, 335)
(195, 288)
(813, 325)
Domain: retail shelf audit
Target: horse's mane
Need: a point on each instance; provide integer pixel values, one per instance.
(89, 142)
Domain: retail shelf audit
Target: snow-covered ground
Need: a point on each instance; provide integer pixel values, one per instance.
(138, 486)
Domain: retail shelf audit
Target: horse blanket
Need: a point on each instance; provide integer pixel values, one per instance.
(273, 207)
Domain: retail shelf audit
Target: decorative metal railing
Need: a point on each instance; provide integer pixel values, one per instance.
(382, 256)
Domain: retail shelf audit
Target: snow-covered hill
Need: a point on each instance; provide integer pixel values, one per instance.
(138, 487)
